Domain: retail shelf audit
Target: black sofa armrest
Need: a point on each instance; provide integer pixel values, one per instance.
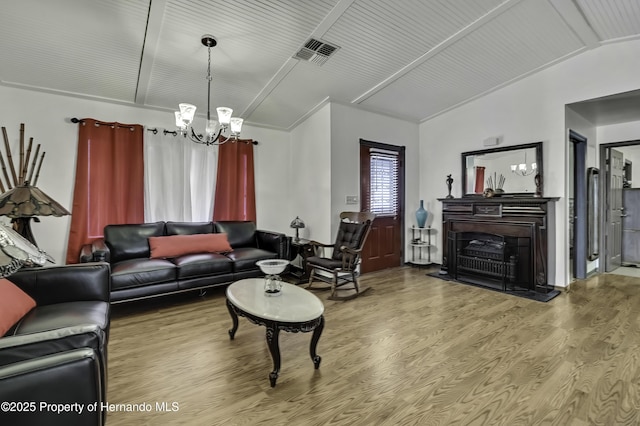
(28, 346)
(71, 377)
(69, 283)
(86, 254)
(274, 241)
(97, 251)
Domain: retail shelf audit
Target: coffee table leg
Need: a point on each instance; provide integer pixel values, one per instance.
(273, 333)
(314, 343)
(234, 318)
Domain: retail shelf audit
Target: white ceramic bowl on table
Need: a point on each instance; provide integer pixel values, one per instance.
(272, 266)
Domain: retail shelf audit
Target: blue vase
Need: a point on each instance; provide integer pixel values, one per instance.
(421, 215)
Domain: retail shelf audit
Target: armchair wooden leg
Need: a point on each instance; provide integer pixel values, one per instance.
(334, 284)
(351, 290)
(355, 282)
(311, 275)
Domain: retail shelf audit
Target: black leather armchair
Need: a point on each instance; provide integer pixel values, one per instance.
(38, 391)
(57, 353)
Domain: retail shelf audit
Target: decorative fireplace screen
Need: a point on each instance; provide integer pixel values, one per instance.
(486, 258)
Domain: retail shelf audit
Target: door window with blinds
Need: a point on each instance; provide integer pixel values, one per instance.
(383, 198)
(381, 194)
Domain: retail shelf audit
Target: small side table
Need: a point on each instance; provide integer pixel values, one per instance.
(421, 246)
(300, 247)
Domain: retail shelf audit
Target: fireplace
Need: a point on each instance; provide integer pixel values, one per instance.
(497, 242)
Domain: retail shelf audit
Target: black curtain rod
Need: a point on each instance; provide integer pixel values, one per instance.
(102, 123)
(175, 133)
(154, 130)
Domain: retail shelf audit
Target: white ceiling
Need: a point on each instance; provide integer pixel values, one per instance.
(411, 59)
(613, 109)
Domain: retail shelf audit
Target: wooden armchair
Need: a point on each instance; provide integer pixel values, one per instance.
(341, 267)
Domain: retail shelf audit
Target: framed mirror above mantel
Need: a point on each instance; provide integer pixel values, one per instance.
(507, 171)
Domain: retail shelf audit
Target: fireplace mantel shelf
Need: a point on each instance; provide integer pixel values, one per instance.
(521, 219)
(502, 199)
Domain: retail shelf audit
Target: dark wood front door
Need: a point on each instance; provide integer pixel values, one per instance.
(382, 193)
(382, 249)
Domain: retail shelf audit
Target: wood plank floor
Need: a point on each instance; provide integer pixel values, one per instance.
(414, 350)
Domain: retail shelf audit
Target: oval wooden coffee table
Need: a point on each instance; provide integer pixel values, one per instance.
(295, 310)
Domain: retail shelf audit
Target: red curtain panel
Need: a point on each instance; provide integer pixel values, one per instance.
(235, 197)
(109, 184)
(479, 189)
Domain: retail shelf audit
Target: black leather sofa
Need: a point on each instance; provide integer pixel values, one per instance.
(134, 275)
(57, 353)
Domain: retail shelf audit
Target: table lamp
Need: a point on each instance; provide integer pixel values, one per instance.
(25, 202)
(297, 223)
(22, 200)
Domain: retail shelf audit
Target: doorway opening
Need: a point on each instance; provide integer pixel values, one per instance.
(620, 209)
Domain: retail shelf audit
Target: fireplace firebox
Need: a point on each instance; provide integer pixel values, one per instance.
(483, 258)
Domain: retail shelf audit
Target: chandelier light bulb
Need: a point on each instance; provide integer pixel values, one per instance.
(187, 112)
(236, 125)
(180, 122)
(224, 115)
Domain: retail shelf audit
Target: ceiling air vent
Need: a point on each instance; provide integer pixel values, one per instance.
(316, 51)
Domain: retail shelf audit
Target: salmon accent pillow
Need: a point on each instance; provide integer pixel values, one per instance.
(179, 245)
(14, 304)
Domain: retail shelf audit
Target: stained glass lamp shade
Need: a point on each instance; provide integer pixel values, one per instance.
(25, 202)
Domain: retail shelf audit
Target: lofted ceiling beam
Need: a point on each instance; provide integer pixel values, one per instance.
(573, 16)
(149, 48)
(324, 26)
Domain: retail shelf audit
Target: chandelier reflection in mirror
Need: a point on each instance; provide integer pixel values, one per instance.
(213, 129)
(524, 169)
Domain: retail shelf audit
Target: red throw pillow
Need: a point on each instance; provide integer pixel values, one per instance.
(178, 245)
(14, 304)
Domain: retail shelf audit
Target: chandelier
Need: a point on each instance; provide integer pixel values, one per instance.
(213, 128)
(524, 169)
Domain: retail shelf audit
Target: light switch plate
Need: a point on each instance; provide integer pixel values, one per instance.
(352, 199)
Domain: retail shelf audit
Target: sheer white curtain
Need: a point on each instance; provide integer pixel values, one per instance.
(180, 178)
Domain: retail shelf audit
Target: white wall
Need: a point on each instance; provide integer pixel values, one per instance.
(576, 122)
(348, 126)
(310, 180)
(272, 177)
(46, 117)
(619, 132)
(529, 110)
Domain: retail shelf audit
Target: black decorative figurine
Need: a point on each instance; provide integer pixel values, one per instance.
(538, 180)
(449, 183)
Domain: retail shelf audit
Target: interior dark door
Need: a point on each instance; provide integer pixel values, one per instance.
(382, 192)
(578, 218)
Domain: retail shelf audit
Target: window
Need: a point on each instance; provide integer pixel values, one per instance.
(383, 191)
(380, 185)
